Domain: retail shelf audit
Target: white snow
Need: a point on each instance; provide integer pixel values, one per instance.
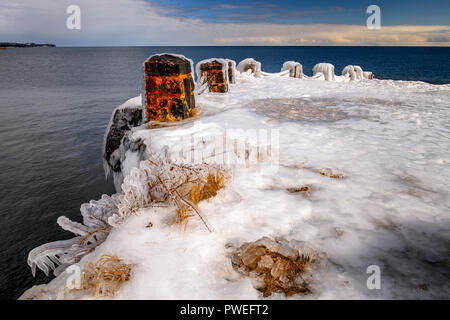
(391, 139)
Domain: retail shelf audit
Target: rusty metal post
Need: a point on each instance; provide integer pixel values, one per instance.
(168, 89)
(215, 73)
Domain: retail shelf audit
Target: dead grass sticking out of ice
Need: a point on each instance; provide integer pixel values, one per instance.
(298, 109)
(331, 173)
(327, 172)
(207, 189)
(106, 276)
(201, 190)
(182, 216)
(304, 190)
(275, 265)
(41, 295)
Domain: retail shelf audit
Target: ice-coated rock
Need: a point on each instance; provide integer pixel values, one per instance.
(123, 119)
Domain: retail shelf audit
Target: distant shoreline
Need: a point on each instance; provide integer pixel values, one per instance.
(4, 45)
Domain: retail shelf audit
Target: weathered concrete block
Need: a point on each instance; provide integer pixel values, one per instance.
(215, 73)
(168, 89)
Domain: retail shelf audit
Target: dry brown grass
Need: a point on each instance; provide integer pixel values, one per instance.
(205, 190)
(327, 172)
(182, 217)
(278, 273)
(86, 239)
(303, 190)
(105, 276)
(289, 270)
(40, 294)
(200, 191)
(335, 174)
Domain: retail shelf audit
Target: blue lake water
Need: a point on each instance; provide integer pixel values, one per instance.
(55, 104)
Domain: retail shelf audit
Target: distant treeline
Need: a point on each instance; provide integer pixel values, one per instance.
(24, 45)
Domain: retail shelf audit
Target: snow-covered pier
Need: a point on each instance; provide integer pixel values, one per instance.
(282, 186)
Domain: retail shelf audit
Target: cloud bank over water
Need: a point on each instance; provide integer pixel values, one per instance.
(139, 22)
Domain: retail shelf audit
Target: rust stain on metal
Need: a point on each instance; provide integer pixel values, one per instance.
(214, 75)
(169, 88)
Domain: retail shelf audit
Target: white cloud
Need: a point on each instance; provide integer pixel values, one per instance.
(137, 22)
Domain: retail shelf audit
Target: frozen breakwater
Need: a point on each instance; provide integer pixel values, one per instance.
(350, 172)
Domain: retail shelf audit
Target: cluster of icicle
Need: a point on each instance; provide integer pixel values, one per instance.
(58, 255)
(158, 182)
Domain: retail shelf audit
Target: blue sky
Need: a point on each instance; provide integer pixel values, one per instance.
(227, 22)
(395, 12)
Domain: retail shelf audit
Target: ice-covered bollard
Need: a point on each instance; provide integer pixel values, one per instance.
(354, 72)
(168, 89)
(231, 70)
(326, 68)
(368, 75)
(295, 69)
(250, 64)
(215, 73)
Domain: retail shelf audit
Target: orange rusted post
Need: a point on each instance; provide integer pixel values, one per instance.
(168, 89)
(215, 73)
